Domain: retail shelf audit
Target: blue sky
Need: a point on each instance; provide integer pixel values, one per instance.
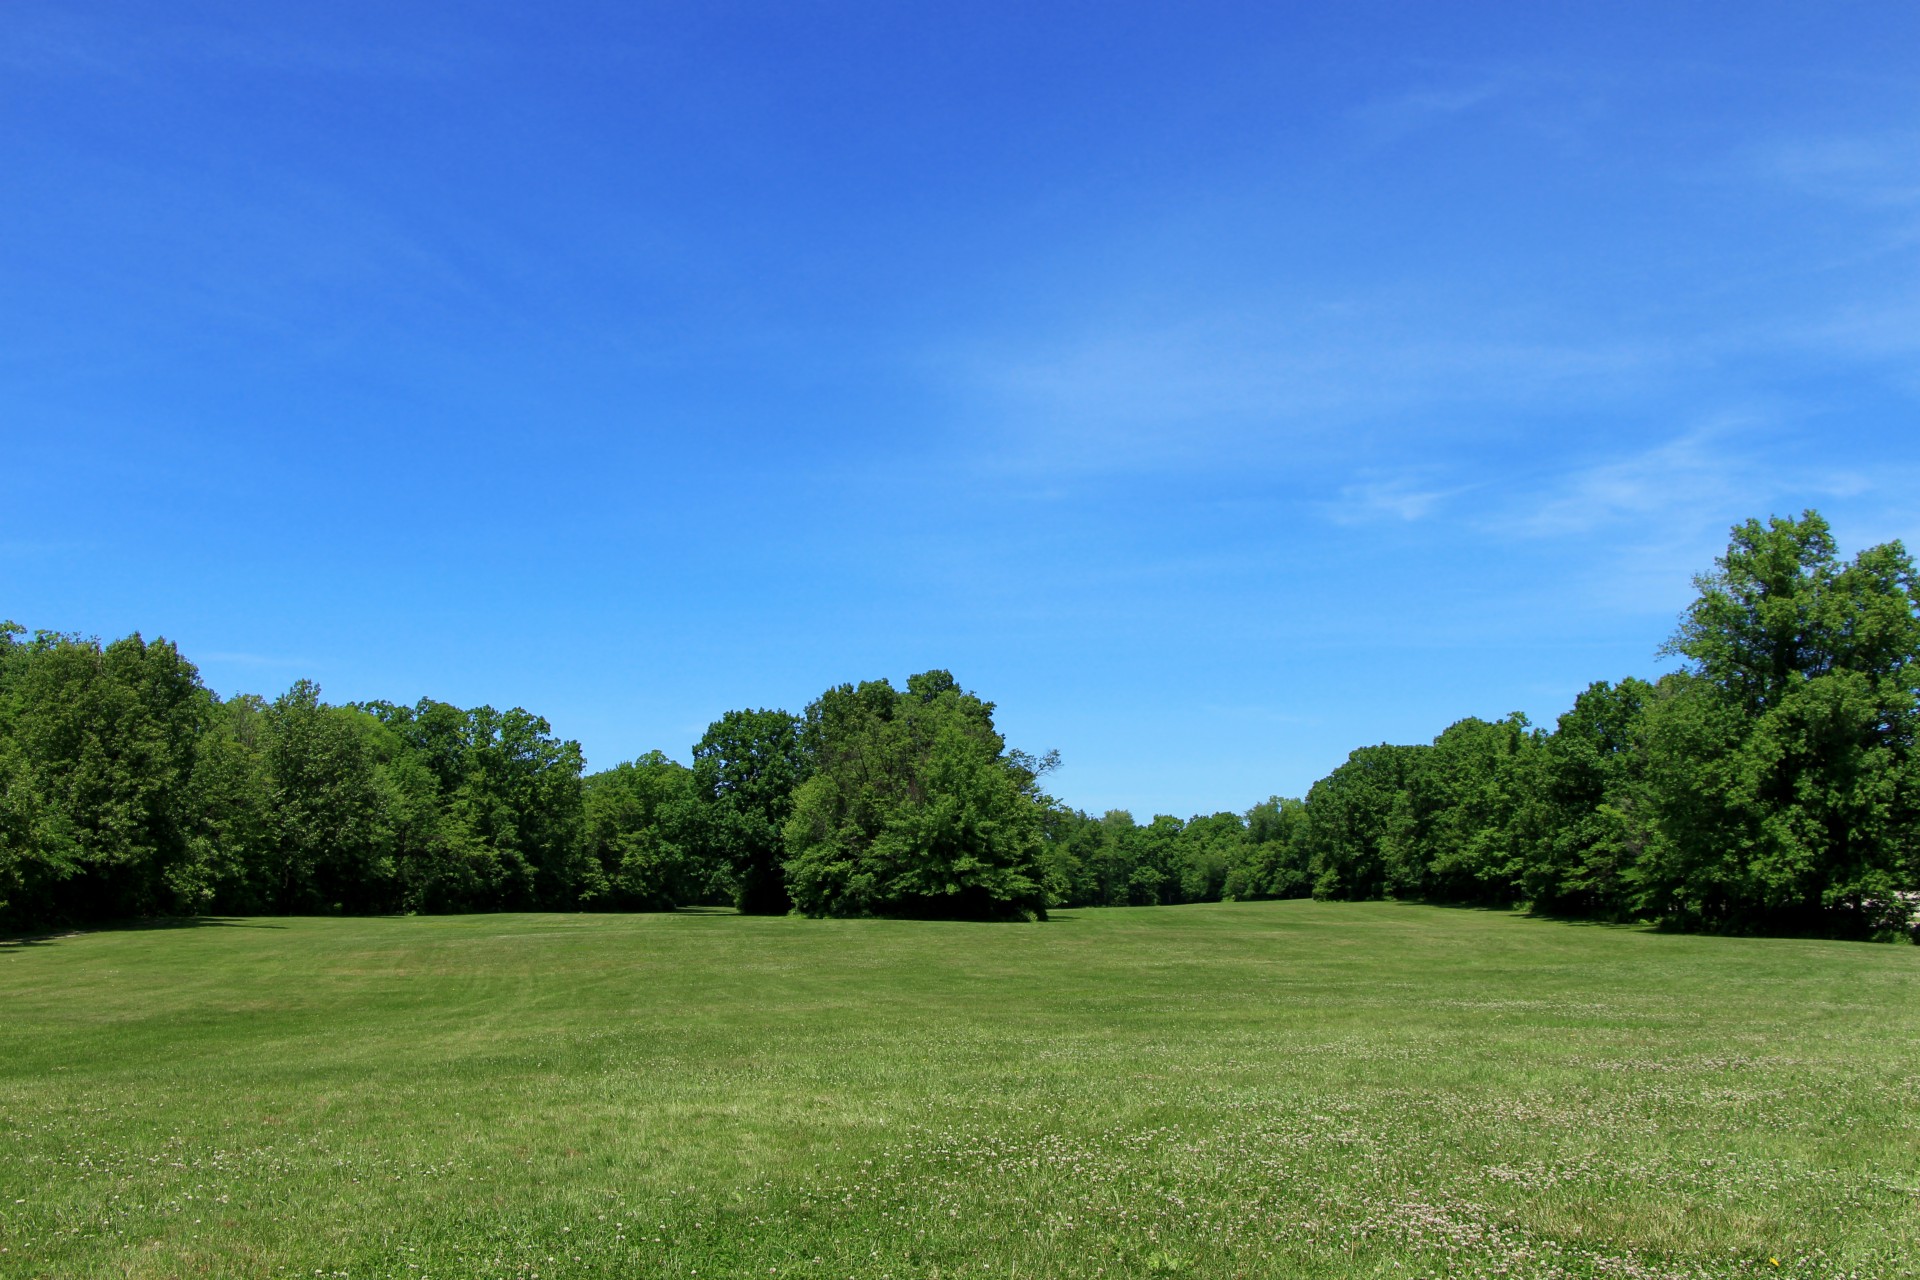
(1215, 387)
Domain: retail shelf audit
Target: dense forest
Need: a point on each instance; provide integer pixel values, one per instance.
(1771, 784)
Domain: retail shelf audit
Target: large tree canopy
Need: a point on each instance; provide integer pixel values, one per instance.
(100, 745)
(915, 807)
(1783, 784)
(745, 771)
(643, 835)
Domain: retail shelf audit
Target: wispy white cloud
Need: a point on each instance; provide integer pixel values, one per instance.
(1736, 463)
(1881, 330)
(1403, 498)
(1858, 197)
(1635, 525)
(1150, 370)
(1555, 102)
(48, 42)
(1874, 170)
(1663, 512)
(1660, 512)
(1262, 383)
(1689, 472)
(1390, 119)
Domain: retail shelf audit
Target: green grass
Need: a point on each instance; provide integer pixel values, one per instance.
(1271, 1089)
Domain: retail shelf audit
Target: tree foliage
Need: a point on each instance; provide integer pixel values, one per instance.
(643, 833)
(914, 807)
(1771, 783)
(1783, 785)
(745, 771)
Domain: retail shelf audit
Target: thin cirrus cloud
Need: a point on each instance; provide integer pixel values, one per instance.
(1557, 104)
(1391, 119)
(1847, 288)
(1700, 470)
(1686, 473)
(1661, 512)
(1872, 170)
(1396, 498)
(1254, 383)
(1687, 481)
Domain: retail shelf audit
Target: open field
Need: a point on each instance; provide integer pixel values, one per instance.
(1285, 1089)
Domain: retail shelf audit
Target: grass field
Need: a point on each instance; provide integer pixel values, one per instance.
(1270, 1089)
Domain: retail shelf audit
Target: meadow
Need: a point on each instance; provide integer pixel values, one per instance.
(1241, 1089)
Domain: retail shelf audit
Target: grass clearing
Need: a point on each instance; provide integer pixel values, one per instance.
(1258, 1089)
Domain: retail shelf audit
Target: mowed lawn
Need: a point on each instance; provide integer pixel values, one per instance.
(1262, 1089)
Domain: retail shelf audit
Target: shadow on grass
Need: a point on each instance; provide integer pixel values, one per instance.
(20, 942)
(1523, 913)
(1591, 922)
(1814, 929)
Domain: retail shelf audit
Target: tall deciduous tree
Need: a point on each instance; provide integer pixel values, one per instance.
(914, 807)
(231, 833)
(331, 851)
(1273, 860)
(745, 771)
(483, 807)
(1781, 768)
(102, 746)
(639, 819)
(1585, 820)
(1358, 820)
(1477, 778)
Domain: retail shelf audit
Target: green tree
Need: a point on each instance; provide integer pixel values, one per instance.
(102, 748)
(1477, 781)
(1585, 820)
(30, 854)
(521, 795)
(914, 807)
(1155, 878)
(1120, 852)
(1273, 859)
(1068, 839)
(331, 851)
(1357, 817)
(231, 827)
(1781, 768)
(1209, 845)
(639, 817)
(484, 808)
(745, 771)
(422, 765)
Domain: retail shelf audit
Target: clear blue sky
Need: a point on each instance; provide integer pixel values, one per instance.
(1216, 387)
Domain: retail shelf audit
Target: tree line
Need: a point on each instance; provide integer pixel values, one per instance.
(1770, 784)
(128, 789)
